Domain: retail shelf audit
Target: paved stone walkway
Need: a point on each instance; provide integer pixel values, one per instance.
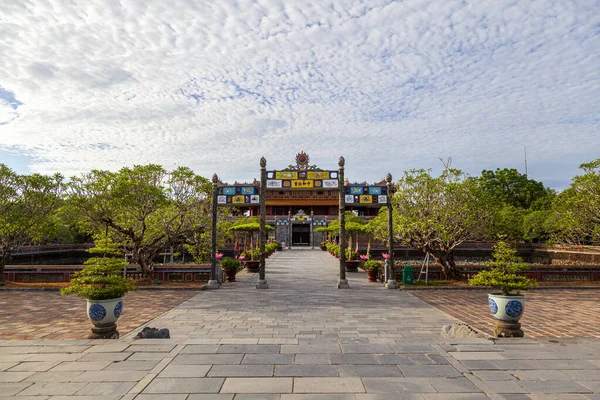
(301, 339)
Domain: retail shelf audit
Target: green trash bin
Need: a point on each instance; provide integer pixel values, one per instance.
(408, 274)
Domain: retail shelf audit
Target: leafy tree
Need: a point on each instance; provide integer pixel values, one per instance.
(145, 207)
(354, 226)
(249, 226)
(509, 187)
(576, 211)
(437, 214)
(503, 271)
(199, 244)
(27, 203)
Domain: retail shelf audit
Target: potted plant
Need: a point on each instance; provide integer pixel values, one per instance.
(352, 260)
(372, 267)
(323, 246)
(231, 267)
(508, 305)
(101, 282)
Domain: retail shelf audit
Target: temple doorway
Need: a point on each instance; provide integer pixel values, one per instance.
(300, 235)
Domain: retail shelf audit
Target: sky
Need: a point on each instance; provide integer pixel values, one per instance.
(215, 85)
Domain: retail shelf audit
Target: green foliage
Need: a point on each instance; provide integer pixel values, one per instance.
(230, 264)
(576, 211)
(503, 271)
(199, 243)
(100, 279)
(352, 255)
(145, 207)
(509, 187)
(437, 214)
(27, 207)
(371, 265)
(535, 226)
(508, 223)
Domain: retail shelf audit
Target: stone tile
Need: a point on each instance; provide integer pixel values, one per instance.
(366, 348)
(278, 340)
(412, 348)
(7, 365)
(248, 349)
(8, 377)
(310, 349)
(11, 389)
(105, 389)
(241, 370)
(389, 396)
(477, 355)
(41, 389)
(82, 366)
(207, 359)
(200, 349)
(104, 357)
(184, 371)
(562, 396)
(241, 341)
(184, 385)
(494, 375)
(553, 387)
(396, 359)
(541, 375)
(369, 370)
(110, 376)
(146, 356)
(429, 371)
(594, 386)
(151, 348)
(306, 370)
(455, 396)
(273, 359)
(312, 359)
(584, 374)
(328, 385)
(144, 396)
(252, 396)
(353, 359)
(453, 385)
(397, 385)
(318, 397)
(220, 396)
(132, 365)
(53, 376)
(257, 385)
(33, 366)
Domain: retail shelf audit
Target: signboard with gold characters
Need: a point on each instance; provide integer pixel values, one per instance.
(238, 195)
(359, 194)
(302, 176)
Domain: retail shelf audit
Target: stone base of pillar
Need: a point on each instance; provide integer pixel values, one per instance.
(391, 284)
(508, 329)
(107, 332)
(262, 284)
(343, 284)
(212, 284)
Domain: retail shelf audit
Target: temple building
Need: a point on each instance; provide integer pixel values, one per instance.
(302, 197)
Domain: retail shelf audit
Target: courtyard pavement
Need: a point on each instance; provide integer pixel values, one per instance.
(301, 339)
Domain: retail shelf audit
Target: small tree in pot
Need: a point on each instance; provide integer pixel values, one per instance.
(231, 267)
(372, 267)
(508, 305)
(102, 284)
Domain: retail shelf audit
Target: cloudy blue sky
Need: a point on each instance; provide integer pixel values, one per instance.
(214, 85)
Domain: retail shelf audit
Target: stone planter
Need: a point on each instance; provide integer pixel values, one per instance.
(352, 265)
(231, 275)
(104, 314)
(507, 310)
(372, 275)
(252, 266)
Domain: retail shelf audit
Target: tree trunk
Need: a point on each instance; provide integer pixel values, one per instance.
(446, 260)
(4, 260)
(146, 264)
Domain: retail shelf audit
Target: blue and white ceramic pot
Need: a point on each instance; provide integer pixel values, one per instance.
(506, 308)
(104, 313)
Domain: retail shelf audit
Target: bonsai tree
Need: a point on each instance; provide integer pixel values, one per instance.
(249, 226)
(503, 272)
(230, 264)
(100, 279)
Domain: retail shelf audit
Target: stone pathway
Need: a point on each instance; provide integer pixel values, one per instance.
(301, 339)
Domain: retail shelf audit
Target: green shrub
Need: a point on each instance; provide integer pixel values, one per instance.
(371, 265)
(503, 272)
(100, 279)
(230, 264)
(352, 255)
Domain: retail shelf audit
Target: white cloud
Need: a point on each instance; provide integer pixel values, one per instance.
(215, 85)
